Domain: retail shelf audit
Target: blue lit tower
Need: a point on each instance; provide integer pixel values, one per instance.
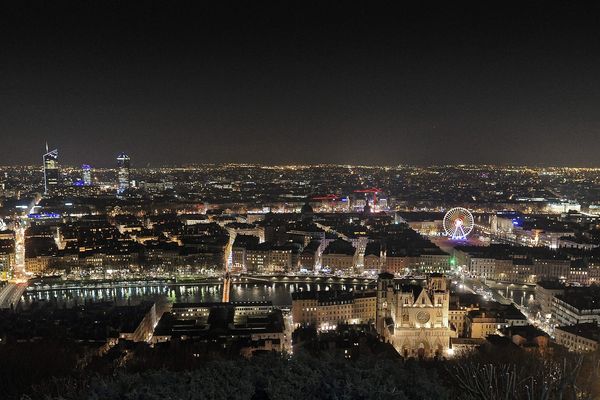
(123, 165)
(50, 160)
(87, 174)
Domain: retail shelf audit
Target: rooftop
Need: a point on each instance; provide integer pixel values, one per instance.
(587, 330)
(582, 298)
(340, 246)
(325, 296)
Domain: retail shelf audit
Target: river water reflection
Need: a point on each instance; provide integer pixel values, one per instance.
(279, 293)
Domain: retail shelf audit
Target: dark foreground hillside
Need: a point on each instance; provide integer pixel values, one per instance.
(52, 374)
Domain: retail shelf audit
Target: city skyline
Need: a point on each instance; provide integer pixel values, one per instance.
(110, 164)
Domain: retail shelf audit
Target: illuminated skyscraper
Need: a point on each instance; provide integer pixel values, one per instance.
(50, 160)
(87, 174)
(123, 164)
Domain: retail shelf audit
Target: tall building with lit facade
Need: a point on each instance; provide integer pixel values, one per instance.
(412, 314)
(123, 165)
(87, 174)
(7, 253)
(50, 161)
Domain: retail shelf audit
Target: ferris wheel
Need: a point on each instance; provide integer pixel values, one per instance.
(458, 223)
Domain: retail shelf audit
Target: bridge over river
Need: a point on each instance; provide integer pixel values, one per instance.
(11, 294)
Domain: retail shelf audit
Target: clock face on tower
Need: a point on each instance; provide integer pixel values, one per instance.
(422, 317)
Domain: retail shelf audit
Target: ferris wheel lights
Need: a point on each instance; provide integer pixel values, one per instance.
(458, 223)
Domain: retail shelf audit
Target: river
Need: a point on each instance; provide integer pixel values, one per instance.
(522, 295)
(280, 293)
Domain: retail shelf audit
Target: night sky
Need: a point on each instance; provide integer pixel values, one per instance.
(322, 82)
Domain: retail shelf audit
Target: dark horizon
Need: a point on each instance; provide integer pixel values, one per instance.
(501, 84)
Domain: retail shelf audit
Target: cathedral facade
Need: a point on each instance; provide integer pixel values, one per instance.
(412, 314)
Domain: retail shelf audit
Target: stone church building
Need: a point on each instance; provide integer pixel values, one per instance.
(412, 314)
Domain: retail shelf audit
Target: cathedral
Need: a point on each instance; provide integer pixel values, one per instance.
(412, 314)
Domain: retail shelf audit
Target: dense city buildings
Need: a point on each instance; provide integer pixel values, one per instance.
(380, 263)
